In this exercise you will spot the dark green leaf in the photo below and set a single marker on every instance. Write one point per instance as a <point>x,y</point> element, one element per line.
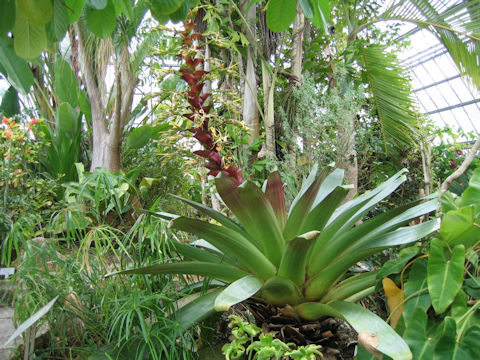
<point>394,266</point>
<point>307,7</point>
<point>416,336</point>
<point>416,290</point>
<point>30,39</point>
<point>66,85</point>
<point>60,21</point>
<point>321,11</point>
<point>74,9</point>
<point>10,105</point>
<point>101,22</point>
<point>7,16</point>
<point>459,227</point>
<point>36,12</point>
<point>280,14</point>
<point>138,137</point>
<point>164,7</point>
<point>444,277</point>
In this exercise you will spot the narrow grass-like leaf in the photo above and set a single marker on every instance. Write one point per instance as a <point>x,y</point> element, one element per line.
<point>218,271</point>
<point>294,258</point>
<point>363,321</point>
<point>229,242</point>
<point>236,292</point>
<point>331,182</point>
<point>444,277</point>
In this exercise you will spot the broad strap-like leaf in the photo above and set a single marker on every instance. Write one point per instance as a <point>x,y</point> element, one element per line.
<point>331,182</point>
<point>294,258</point>
<point>249,204</point>
<point>351,286</point>
<point>196,310</point>
<point>218,271</point>
<point>363,321</point>
<point>30,321</point>
<point>238,291</point>
<point>229,242</point>
<point>445,278</point>
<point>218,216</point>
<point>322,280</point>
<point>276,195</point>
<point>195,253</point>
<point>320,214</point>
<point>302,204</point>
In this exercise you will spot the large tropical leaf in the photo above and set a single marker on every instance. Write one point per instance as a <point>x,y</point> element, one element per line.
<point>236,292</point>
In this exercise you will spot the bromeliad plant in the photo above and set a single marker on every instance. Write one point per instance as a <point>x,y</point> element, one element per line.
<point>298,260</point>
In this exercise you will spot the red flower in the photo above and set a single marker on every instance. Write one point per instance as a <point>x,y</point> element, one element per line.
<point>27,150</point>
<point>20,138</point>
<point>5,120</point>
<point>7,158</point>
<point>29,128</point>
<point>9,135</point>
<point>18,171</point>
<point>33,121</point>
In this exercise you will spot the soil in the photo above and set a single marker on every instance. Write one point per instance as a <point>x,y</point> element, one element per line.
<point>337,338</point>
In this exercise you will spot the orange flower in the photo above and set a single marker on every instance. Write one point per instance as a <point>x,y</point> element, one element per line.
<point>20,138</point>
<point>27,150</point>
<point>29,128</point>
<point>7,158</point>
<point>5,120</point>
<point>18,171</point>
<point>33,121</point>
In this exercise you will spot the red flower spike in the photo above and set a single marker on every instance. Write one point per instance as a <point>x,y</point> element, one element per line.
<point>215,157</point>
<point>189,26</point>
<point>195,102</point>
<point>198,61</point>
<point>198,87</point>
<point>199,74</point>
<point>196,36</point>
<point>213,172</point>
<point>202,153</point>
<point>191,117</point>
<point>189,79</point>
<point>213,165</point>
<point>203,98</point>
<point>185,70</point>
<point>203,138</point>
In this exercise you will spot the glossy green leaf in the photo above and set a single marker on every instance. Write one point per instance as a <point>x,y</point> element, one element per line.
<point>36,12</point>
<point>30,321</point>
<point>276,196</point>
<point>164,7</point>
<point>66,85</point>
<point>138,137</point>
<point>7,16</point>
<point>444,277</point>
<point>459,227</point>
<point>261,224</point>
<point>307,8</point>
<point>101,22</point>
<point>236,292</point>
<point>280,14</point>
<point>67,124</point>
<point>416,337</point>
<point>416,290</point>
<point>74,9</point>
<point>10,104</point>
<point>182,12</point>
<point>294,258</point>
<point>217,271</point>
<point>195,311</point>
<point>363,321</point>
<point>60,21</point>
<point>229,242</point>
<point>96,4</point>
<point>30,39</point>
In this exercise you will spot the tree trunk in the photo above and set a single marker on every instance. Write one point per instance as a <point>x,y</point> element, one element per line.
<point>268,109</point>
<point>250,108</point>
<point>346,154</point>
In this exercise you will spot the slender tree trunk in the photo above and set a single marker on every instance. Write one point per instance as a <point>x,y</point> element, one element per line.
<point>346,154</point>
<point>269,115</point>
<point>250,108</point>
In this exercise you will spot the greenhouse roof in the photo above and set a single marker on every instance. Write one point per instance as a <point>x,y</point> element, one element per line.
<point>442,93</point>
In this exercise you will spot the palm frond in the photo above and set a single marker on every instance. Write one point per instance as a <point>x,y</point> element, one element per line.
<point>391,91</point>
<point>457,27</point>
